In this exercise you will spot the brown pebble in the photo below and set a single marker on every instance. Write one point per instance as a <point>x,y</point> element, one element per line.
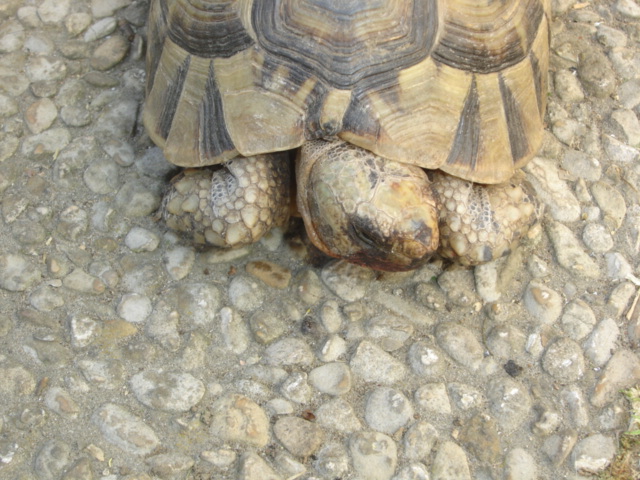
<point>272,274</point>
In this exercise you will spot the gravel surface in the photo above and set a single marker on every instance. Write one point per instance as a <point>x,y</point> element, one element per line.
<point>127,353</point>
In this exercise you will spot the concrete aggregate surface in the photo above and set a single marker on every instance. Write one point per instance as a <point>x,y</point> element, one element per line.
<point>127,353</point>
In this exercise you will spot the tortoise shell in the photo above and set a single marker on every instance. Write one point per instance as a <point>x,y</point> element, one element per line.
<point>456,85</point>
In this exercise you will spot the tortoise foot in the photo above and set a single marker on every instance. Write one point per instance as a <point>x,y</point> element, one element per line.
<point>479,223</point>
<point>232,204</point>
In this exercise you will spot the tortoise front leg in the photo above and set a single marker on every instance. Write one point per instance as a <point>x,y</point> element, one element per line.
<point>232,204</point>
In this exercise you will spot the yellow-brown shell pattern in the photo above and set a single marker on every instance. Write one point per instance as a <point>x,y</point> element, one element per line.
<point>456,85</point>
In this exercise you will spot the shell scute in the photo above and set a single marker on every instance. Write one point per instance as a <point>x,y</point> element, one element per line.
<point>452,85</point>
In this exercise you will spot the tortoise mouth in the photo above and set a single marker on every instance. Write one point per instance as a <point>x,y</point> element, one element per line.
<point>395,254</point>
<point>364,259</point>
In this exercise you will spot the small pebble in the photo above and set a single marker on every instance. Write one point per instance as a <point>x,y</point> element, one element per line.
<point>601,344</point>
<point>622,371</point>
<point>179,262</point>
<point>253,467</point>
<point>51,459</point>
<point>433,399</point>
<point>288,351</point>
<point>142,240</point>
<point>83,330</point>
<point>350,282</point>
<point>331,378</point>
<point>237,418</point>
<point>270,273</point>
<point>111,52</point>
<point>569,253</point>
<point>40,115</point>
<point>419,440</point>
<point>125,430</point>
<point>593,454</point>
<point>578,319</point>
<point>245,294</point>
<point>450,463</point>
<point>520,465</point>
<point>372,364</point>
<point>300,437</point>
<point>387,410</point>
<point>338,415</point>
<point>509,401</point>
<point>374,455</point>
<point>426,359</point>
<point>544,304</point>
<point>563,360</point>
<point>460,344</point>
<point>167,391</point>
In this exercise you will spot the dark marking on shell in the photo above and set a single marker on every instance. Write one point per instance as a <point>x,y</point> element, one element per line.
<point>214,136</point>
<point>347,56</point>
<point>464,150</point>
<point>358,119</point>
<point>213,31</point>
<point>515,124</point>
<point>538,81</point>
<point>465,45</point>
<point>172,93</point>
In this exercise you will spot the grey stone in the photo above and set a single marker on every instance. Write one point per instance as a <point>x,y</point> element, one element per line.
<point>460,344</point>
<point>253,467</point>
<point>387,410</point>
<point>110,52</point>
<point>237,418</point>
<point>125,430</point>
<point>338,415</point>
<point>622,371</point>
<point>602,342</point>
<point>543,303</point>
<point>372,364</point>
<point>450,463</point>
<point>596,74</point>
<point>574,401</point>
<point>563,360</point>
<point>17,273</point>
<point>167,391</point>
<point>83,330</point>
<point>288,351</point>
<point>433,399</point>
<point>102,176</point>
<point>40,115</point>
<point>569,253</point>
<point>235,333</point>
<point>520,465</point>
<point>350,282</point>
<point>426,359</point>
<point>179,261</point>
<point>332,460</point>
<point>374,455</point>
<point>479,435</point>
<point>51,459</point>
<point>509,401</point>
<point>578,319</point>
<point>597,237</point>
<point>246,294</point>
<point>593,454</point>
<point>300,437</point>
<point>169,465</point>
<point>135,200</point>
<point>331,378</point>
<point>553,191</point>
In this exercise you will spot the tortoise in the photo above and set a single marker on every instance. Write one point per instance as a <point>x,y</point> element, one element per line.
<point>410,121</point>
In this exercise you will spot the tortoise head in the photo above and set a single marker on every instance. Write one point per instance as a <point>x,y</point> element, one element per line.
<point>364,208</point>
